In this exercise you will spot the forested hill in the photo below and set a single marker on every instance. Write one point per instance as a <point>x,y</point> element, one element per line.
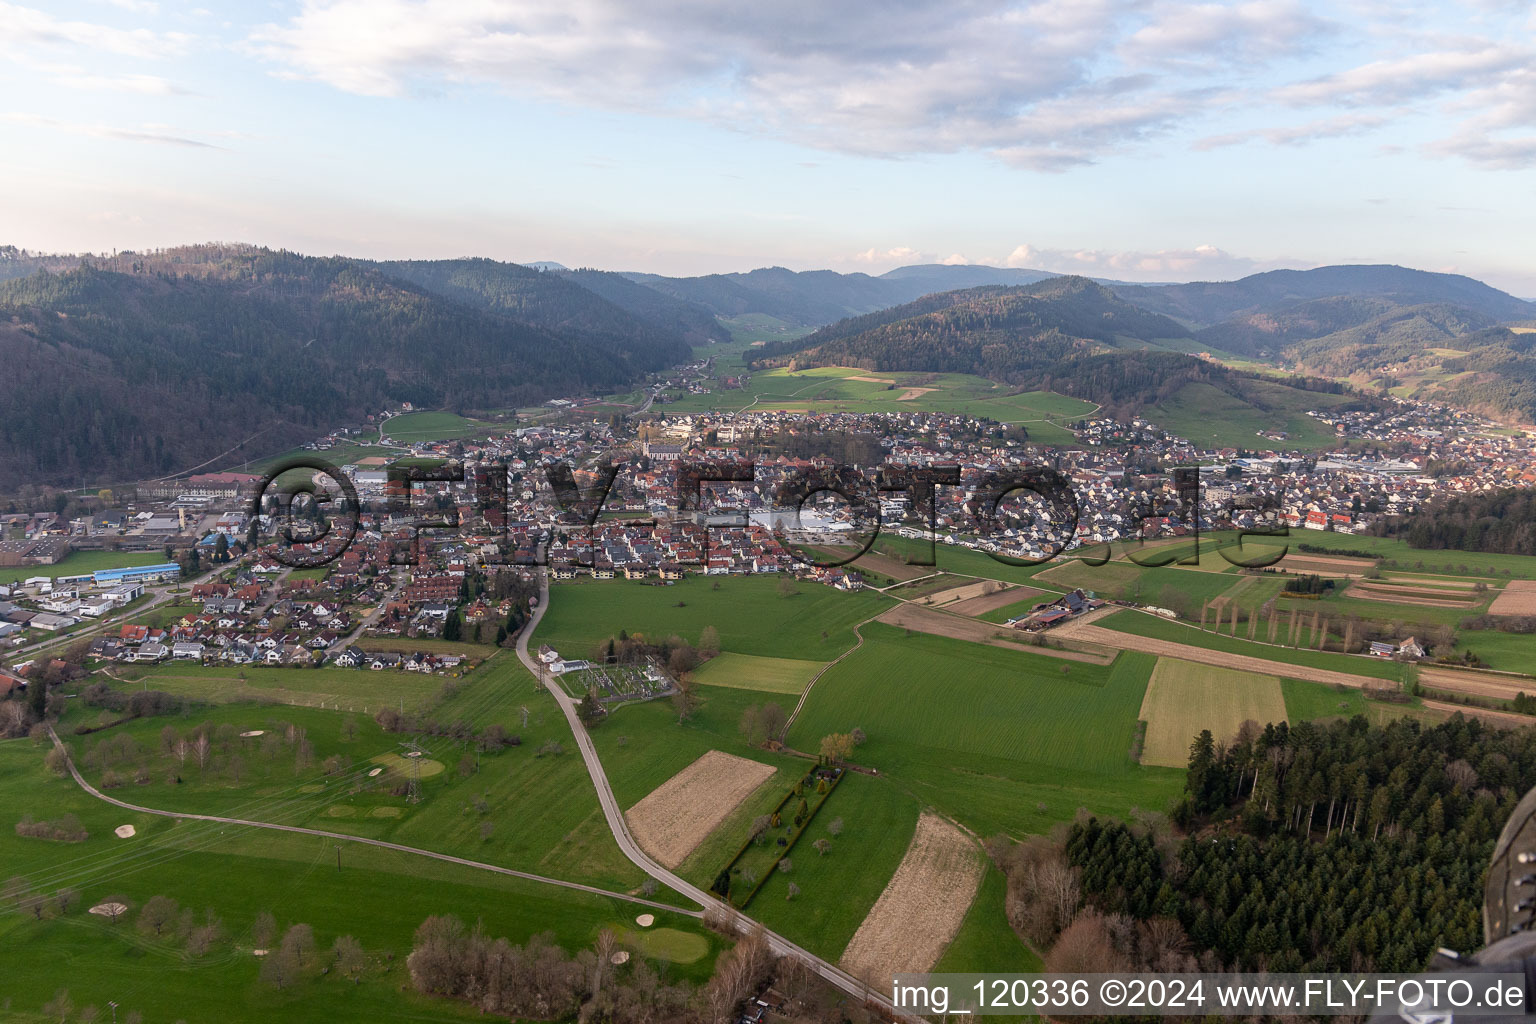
<point>137,366</point>
<point>1498,522</point>
<point>809,298</point>
<point>555,301</point>
<point>995,331</point>
<point>1066,334</point>
<point>695,324</point>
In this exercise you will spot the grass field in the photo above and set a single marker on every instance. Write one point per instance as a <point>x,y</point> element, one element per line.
<point>345,689</point>
<point>749,672</point>
<point>77,563</point>
<point>837,890</point>
<point>1003,741</point>
<point>1308,701</point>
<point>540,807</point>
<point>1209,416</point>
<point>1398,556</point>
<point>1183,698</point>
<point>380,897</point>
<point>412,427</point>
<point>748,612</point>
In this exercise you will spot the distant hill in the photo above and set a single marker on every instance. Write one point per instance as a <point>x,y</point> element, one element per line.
<point>1414,331</point>
<point>693,323</point>
<point>1206,303</point>
<point>814,298</point>
<point>548,299</point>
<point>995,331</point>
<point>1066,334</point>
<point>137,366</point>
<point>808,298</point>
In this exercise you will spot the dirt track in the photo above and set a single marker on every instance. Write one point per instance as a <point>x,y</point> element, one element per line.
<point>922,907</point>
<point>1084,629</point>
<point>958,627</point>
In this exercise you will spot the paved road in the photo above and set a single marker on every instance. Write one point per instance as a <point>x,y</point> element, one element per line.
<point>342,837</point>
<point>351,638</point>
<point>621,834</point>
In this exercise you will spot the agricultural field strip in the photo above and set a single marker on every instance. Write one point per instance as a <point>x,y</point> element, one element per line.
<point>922,906</point>
<point>1084,629</point>
<point>940,622</point>
<point>1518,598</point>
<point>1481,684</point>
<point>1183,698</point>
<point>1503,719</point>
<point>343,837</point>
<point>675,817</point>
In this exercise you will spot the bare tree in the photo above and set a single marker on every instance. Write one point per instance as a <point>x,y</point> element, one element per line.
<point>158,914</point>
<point>264,930</point>
<point>760,824</point>
<point>349,957</point>
<point>298,941</point>
<point>822,846</point>
<point>59,1006</point>
<point>835,829</point>
<point>792,891</point>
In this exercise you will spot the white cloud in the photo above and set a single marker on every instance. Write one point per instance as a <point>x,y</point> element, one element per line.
<point>26,27</point>
<point>1223,34</point>
<point>1035,82</point>
<point>893,257</point>
<point>1295,135</point>
<point>1203,262</point>
<point>1401,79</point>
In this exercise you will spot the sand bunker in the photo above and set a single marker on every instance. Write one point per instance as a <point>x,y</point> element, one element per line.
<point>125,831</point>
<point>645,920</point>
<point>621,957</point>
<point>249,733</point>
<point>375,772</point>
<point>110,909</point>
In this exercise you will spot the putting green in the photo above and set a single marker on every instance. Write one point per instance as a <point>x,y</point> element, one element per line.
<point>402,765</point>
<point>672,944</point>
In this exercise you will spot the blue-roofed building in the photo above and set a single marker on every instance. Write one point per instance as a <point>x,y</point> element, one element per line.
<point>138,574</point>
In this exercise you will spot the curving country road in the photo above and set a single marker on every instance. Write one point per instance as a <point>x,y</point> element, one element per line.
<point>363,840</point>
<point>621,834</point>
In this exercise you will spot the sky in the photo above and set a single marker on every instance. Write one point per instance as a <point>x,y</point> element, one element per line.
<point>1132,139</point>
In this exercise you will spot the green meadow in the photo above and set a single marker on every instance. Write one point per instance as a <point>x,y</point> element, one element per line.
<point>749,613</point>
<point>233,874</point>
